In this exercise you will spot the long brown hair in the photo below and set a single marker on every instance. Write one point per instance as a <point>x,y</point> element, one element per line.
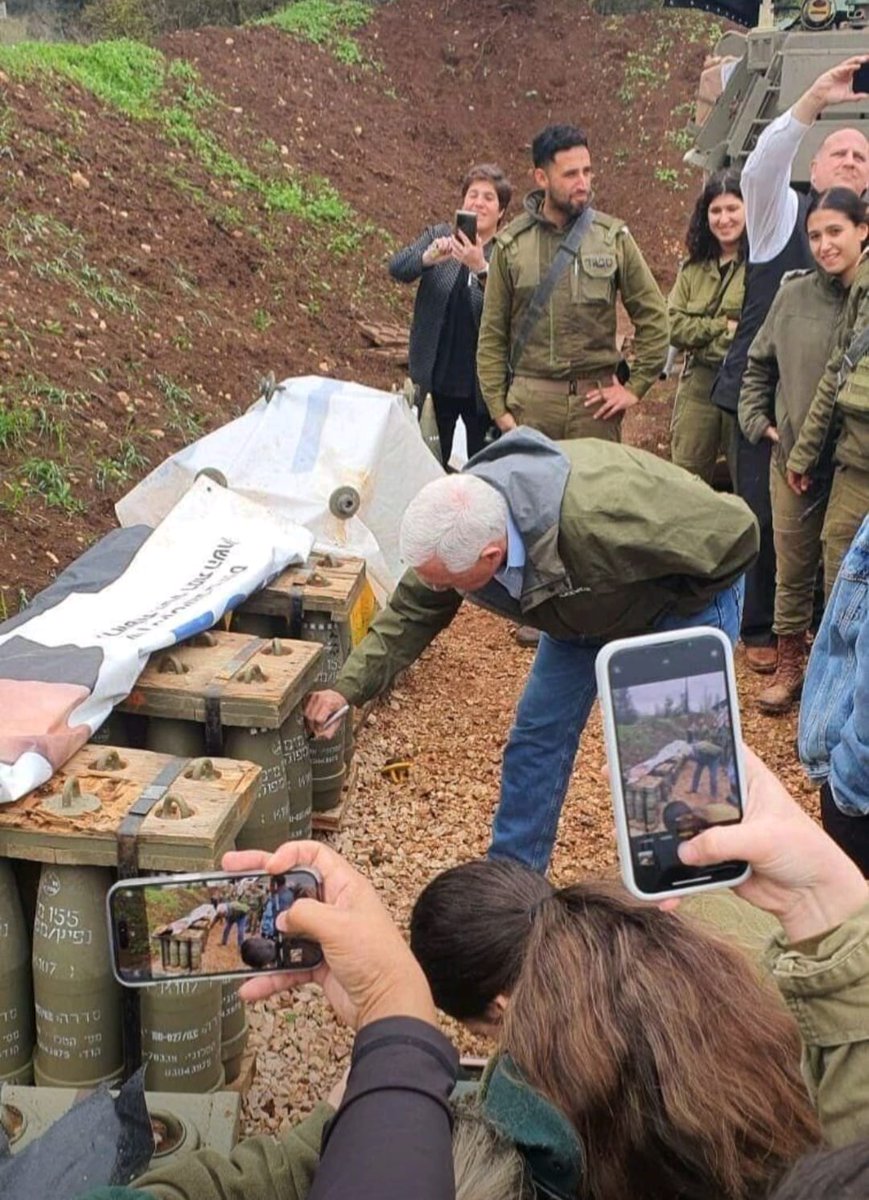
<point>676,1065</point>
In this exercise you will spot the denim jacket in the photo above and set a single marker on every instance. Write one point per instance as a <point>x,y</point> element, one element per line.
<point>834,716</point>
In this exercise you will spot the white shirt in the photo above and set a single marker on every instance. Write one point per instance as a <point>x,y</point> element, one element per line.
<point>771,205</point>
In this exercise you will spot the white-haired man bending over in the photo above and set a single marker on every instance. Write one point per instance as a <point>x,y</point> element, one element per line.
<point>584,540</point>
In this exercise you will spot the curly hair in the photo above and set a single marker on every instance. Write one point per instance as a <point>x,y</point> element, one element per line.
<point>701,242</point>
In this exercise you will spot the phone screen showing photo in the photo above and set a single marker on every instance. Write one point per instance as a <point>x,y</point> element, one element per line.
<point>677,756</point>
<point>169,930</point>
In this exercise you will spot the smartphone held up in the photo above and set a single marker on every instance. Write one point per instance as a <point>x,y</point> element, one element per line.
<point>673,741</point>
<point>466,223</point>
<point>215,925</point>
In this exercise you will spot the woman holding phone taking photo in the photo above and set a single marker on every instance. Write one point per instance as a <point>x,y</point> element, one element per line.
<point>451,269</point>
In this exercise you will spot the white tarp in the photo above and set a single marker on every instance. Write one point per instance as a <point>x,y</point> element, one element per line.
<point>291,454</point>
<point>62,669</point>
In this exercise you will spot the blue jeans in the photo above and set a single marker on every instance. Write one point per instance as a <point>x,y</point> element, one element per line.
<point>240,923</point>
<point>550,718</point>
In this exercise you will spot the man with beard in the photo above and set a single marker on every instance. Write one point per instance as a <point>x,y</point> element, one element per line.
<point>775,220</point>
<point>547,355</point>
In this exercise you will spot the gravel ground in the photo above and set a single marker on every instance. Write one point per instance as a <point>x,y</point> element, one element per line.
<point>450,713</point>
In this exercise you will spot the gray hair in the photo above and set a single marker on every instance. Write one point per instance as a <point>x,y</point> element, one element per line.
<point>452,519</point>
<point>487,1165</point>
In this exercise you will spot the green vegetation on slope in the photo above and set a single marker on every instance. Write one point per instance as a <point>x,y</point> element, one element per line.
<point>324,22</point>
<point>135,79</point>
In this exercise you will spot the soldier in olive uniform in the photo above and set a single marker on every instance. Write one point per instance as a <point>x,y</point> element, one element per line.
<point>841,403</point>
<point>563,382</point>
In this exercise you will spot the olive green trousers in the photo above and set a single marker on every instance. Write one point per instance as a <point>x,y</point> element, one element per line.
<point>559,415</point>
<point>700,431</point>
<point>846,510</point>
<point>797,522</point>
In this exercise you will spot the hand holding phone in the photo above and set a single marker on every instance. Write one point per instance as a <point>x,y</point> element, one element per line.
<point>671,726</point>
<point>860,82</point>
<point>799,874</point>
<point>369,971</point>
<point>211,925</point>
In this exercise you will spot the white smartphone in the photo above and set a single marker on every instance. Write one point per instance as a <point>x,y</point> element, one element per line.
<point>213,925</point>
<point>673,741</point>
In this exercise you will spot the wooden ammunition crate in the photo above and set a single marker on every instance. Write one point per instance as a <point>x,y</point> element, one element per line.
<point>253,686</point>
<point>218,808</point>
<point>324,584</point>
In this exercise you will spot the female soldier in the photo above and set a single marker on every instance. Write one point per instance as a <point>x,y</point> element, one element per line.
<point>785,364</point>
<point>449,301</point>
<point>841,403</point>
<point>704,306</point>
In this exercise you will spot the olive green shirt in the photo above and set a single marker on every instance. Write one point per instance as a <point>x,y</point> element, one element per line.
<point>825,984</point>
<point>848,406</point>
<point>575,336</point>
<point>259,1168</point>
<point>637,538</point>
<point>699,306</point>
<point>788,356</point>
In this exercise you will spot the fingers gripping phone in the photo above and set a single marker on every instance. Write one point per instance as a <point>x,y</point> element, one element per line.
<point>214,925</point>
<point>673,741</point>
<point>466,223</point>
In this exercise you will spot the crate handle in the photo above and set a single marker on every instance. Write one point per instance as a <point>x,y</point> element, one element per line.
<point>201,768</point>
<point>110,760</point>
<point>252,674</point>
<point>172,802</point>
<point>172,664</point>
<point>206,638</point>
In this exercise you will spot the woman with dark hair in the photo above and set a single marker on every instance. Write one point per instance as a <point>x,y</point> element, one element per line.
<point>786,362</point>
<point>840,408</point>
<point>704,308</point>
<point>631,1022</point>
<point>452,270</point>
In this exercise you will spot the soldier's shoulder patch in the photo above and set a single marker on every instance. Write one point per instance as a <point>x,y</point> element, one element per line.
<point>614,226</point>
<point>517,226</point>
<point>799,273</point>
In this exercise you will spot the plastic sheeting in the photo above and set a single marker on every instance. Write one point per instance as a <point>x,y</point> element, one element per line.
<point>292,453</point>
<point>79,649</point>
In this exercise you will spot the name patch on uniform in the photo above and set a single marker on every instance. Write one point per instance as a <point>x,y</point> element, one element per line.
<point>599,266</point>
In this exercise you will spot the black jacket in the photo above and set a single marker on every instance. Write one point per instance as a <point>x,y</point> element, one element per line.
<point>432,296</point>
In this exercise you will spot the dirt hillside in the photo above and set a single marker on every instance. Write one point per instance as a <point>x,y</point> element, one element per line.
<point>178,223</point>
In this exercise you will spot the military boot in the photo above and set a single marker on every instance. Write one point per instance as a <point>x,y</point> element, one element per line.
<point>787,682</point>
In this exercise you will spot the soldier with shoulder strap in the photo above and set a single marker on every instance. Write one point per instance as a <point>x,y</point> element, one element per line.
<point>547,354</point>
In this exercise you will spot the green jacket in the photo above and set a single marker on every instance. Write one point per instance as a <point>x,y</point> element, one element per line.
<point>825,984</point>
<point>614,538</point>
<point>846,407</point>
<point>699,306</point>
<point>259,1168</point>
<point>576,335</point>
<point>787,358</point>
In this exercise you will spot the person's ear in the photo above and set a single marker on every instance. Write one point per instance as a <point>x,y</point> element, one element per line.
<point>492,555</point>
<point>540,177</point>
<point>496,1009</point>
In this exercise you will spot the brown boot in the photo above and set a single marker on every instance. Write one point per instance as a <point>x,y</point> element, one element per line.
<point>762,659</point>
<point>787,683</point>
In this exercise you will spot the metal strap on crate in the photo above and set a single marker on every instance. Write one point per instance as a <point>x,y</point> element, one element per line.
<point>128,831</point>
<point>297,610</point>
<point>214,691</point>
<point>128,868</point>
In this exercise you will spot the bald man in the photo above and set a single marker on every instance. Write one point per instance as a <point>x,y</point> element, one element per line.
<point>775,222</point>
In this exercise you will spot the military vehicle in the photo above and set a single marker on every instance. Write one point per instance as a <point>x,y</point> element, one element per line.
<point>762,73</point>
